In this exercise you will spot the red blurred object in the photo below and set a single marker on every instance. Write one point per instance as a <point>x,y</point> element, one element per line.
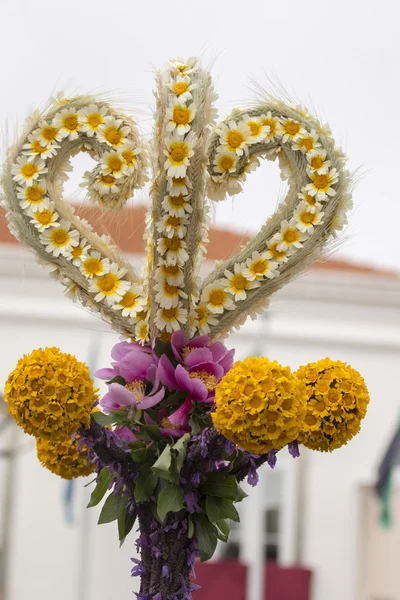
<point>227,580</point>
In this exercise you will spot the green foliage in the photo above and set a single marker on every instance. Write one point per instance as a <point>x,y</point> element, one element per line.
<point>99,491</point>
<point>161,348</point>
<point>206,535</point>
<point>111,508</point>
<point>170,499</point>
<point>222,487</point>
<point>223,530</point>
<point>145,484</point>
<point>220,508</point>
<point>117,417</point>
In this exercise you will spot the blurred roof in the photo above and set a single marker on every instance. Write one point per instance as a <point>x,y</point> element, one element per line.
<point>127,230</point>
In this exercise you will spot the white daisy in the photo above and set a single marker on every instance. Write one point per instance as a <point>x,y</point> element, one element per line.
<point>237,284</point>
<point>171,319</point>
<point>94,265</point>
<point>274,124</point>
<point>36,147</point>
<point>291,130</point>
<point>44,218</point>
<point>171,225</point>
<point>113,163</point>
<point>178,153</point>
<point>71,289</point>
<point>173,274</point>
<point>225,161</point>
<point>321,185</point>
<point>177,206</point>
<point>168,296</point>
<point>60,240</point>
<point>110,286</point>
<point>258,130</point>
<point>306,220</point>
<point>112,132</point>
<point>182,88</point>
<point>280,256</point>
<point>216,298</point>
<point>34,196</point>
<point>179,117</point>
<point>178,186</point>
<point>311,201</point>
<point>47,133</point>
<point>173,249</point>
<point>340,217</point>
<point>131,302</point>
<point>142,332</point>
<point>317,162</point>
<point>91,117</point>
<point>129,153</point>
<point>204,319</point>
<point>179,67</point>
<point>27,171</point>
<point>260,266</point>
<point>67,123</point>
<point>307,142</point>
<point>235,136</point>
<point>289,237</point>
<point>79,253</point>
<point>106,184</point>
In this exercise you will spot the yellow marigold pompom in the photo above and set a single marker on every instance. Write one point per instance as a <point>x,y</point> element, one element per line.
<point>65,458</point>
<point>50,394</point>
<point>337,401</point>
<point>260,405</point>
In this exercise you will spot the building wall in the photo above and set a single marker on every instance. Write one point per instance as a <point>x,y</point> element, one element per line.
<point>356,319</point>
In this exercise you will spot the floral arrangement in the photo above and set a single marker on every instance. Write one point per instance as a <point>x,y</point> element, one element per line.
<point>181,424</point>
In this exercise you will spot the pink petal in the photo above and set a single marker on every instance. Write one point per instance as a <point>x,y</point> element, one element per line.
<point>121,395</point>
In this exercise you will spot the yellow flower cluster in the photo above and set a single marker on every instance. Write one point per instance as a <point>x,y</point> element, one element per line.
<point>64,458</point>
<point>337,402</point>
<point>50,394</point>
<point>260,405</point>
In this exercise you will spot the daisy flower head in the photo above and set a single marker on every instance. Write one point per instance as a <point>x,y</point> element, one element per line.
<point>182,88</point>
<point>91,118</point>
<point>78,253</point>
<point>180,116</point>
<point>112,132</point>
<point>131,302</point>
<point>280,256</point>
<point>26,171</point>
<point>129,153</point>
<point>33,197</point>
<point>142,332</point>
<point>311,201</point>
<point>292,130</point>
<point>307,142</point>
<point>110,286</point>
<point>216,298</point>
<point>61,239</point>
<point>177,206</point>
<point>44,217</point>
<point>171,273</point>
<point>237,284</point>
<point>178,153</point>
<point>47,133</point>
<point>67,122</point>
<point>173,249</point>
<point>179,67</point>
<point>113,163</point>
<point>317,162</point>
<point>260,266</point>
<point>235,137</point>
<point>306,220</point>
<point>171,319</point>
<point>178,186</point>
<point>36,147</point>
<point>106,184</point>
<point>289,237</point>
<point>258,130</point>
<point>321,186</point>
<point>225,161</point>
<point>274,124</point>
<point>205,319</point>
<point>94,265</point>
<point>171,226</point>
<point>168,296</point>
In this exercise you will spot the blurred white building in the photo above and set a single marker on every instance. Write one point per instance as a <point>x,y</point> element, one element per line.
<point>317,511</point>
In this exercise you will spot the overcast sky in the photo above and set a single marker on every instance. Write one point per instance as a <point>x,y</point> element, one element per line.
<point>342,57</point>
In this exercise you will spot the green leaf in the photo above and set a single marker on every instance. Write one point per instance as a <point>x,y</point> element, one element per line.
<point>220,508</point>
<point>206,536</point>
<point>241,494</point>
<point>152,431</point>
<point>141,453</point>
<point>145,484</point>
<point>170,499</point>
<point>117,379</point>
<point>110,509</point>
<point>223,530</point>
<point>90,482</point>
<point>103,482</point>
<point>126,521</point>
<point>162,466</point>
<point>114,417</point>
<point>180,449</point>
<point>174,400</point>
<point>161,348</point>
<point>190,529</point>
<point>222,487</point>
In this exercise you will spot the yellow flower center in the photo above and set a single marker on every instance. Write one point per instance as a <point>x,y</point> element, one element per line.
<point>210,381</point>
<point>71,122</point>
<point>60,237</point>
<point>34,194</point>
<point>129,300</point>
<point>321,182</point>
<point>113,136</point>
<point>235,139</point>
<point>173,243</point>
<point>37,147</point>
<point>178,181</point>
<point>171,290</point>
<point>308,218</point>
<point>311,200</point>
<point>259,267</point>
<point>255,128</point>
<point>317,162</point>
<point>171,269</point>
<point>307,143</point>
<point>49,133</point>
<point>290,236</point>
<point>320,406</point>
<point>180,88</point>
<point>271,123</point>
<point>310,419</point>
<point>170,313</point>
<point>179,153</point>
<point>44,217</point>
<point>77,251</point>
<point>93,266</point>
<point>275,252</point>
<point>128,156</point>
<point>217,297</point>
<point>226,163</point>
<point>292,128</point>
<point>174,221</point>
<point>115,163</point>
<point>137,388</point>
<point>94,120</point>
<point>29,170</point>
<point>202,314</point>
<point>108,283</point>
<point>108,179</point>
<point>181,116</point>
<point>239,282</point>
<point>178,201</point>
